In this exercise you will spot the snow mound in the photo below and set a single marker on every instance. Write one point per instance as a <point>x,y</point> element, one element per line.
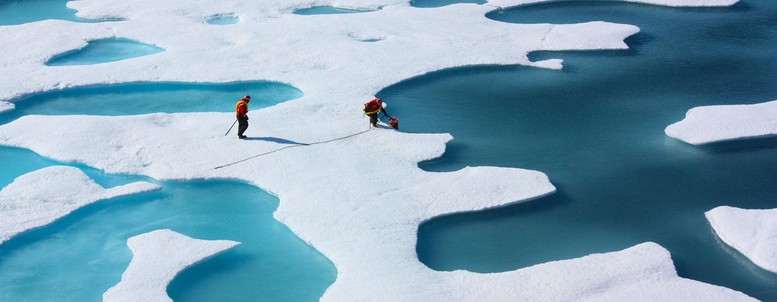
<point>43,196</point>
<point>158,256</point>
<point>6,106</point>
<point>751,232</point>
<point>709,124</point>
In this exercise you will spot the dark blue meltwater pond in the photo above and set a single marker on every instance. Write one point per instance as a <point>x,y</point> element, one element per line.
<point>596,128</point>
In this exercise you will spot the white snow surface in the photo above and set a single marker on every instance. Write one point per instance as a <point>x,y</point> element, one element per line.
<point>158,256</point>
<point>359,200</point>
<point>751,232</point>
<point>6,106</point>
<point>40,197</point>
<point>708,124</point>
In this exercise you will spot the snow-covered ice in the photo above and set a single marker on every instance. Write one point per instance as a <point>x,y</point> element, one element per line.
<point>700,3</point>
<point>158,256</point>
<point>358,200</point>
<point>40,197</point>
<point>6,106</point>
<point>708,124</point>
<point>751,232</point>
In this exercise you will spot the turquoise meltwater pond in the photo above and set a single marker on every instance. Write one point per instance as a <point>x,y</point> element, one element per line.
<point>14,12</point>
<point>85,253</point>
<point>103,51</point>
<point>142,98</point>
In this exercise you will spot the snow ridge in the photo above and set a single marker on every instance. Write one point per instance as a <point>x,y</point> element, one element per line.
<point>751,232</point>
<point>709,124</point>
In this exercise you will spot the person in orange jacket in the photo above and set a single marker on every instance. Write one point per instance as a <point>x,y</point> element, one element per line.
<point>372,108</point>
<point>241,111</point>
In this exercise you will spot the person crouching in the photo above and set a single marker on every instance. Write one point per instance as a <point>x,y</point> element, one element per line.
<point>372,108</point>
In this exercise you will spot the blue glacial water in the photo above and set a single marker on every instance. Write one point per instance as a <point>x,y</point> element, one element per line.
<point>104,51</point>
<point>80,256</point>
<point>141,98</point>
<point>596,129</point>
<point>14,12</point>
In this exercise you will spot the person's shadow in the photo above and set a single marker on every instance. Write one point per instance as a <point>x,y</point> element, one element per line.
<point>274,140</point>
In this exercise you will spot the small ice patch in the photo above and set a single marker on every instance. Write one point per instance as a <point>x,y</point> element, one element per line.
<point>43,196</point>
<point>708,124</point>
<point>6,106</point>
<point>158,257</point>
<point>751,232</point>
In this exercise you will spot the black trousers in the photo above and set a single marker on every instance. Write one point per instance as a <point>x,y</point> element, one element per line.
<point>373,119</point>
<point>242,124</point>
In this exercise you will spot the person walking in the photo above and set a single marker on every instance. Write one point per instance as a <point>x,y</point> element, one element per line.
<point>372,108</point>
<point>241,111</point>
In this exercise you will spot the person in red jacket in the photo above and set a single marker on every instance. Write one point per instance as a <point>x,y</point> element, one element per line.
<point>372,108</point>
<point>241,110</point>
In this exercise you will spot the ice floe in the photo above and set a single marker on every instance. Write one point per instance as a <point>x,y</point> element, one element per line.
<point>158,257</point>
<point>43,196</point>
<point>751,232</point>
<point>6,106</point>
<point>708,124</point>
<point>358,200</point>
